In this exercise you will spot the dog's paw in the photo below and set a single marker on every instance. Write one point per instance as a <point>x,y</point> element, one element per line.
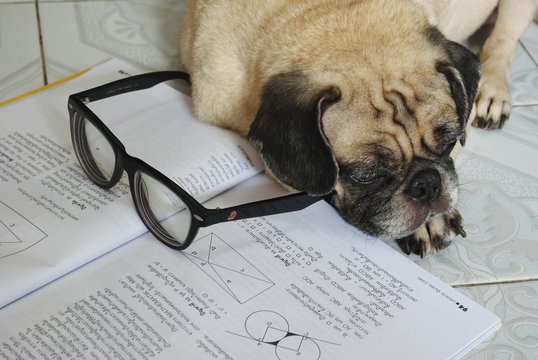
<point>493,101</point>
<point>435,235</point>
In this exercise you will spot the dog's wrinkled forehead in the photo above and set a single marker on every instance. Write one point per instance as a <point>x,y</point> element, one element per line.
<point>418,109</point>
<point>395,119</point>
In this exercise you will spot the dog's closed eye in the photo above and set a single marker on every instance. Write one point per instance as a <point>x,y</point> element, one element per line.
<point>367,178</point>
<point>448,149</point>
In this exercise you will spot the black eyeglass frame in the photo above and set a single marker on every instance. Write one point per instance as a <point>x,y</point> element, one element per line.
<point>200,215</point>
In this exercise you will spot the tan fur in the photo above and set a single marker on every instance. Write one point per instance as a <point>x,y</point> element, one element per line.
<point>270,43</point>
<point>376,64</point>
<point>267,44</point>
<point>497,54</point>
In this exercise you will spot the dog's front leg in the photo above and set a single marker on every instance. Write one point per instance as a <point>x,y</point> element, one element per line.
<point>493,100</point>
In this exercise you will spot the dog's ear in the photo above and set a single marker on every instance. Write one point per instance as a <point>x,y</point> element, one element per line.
<point>288,133</point>
<point>463,76</point>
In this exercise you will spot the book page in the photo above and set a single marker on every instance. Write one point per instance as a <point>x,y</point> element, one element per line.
<point>52,218</point>
<point>302,285</point>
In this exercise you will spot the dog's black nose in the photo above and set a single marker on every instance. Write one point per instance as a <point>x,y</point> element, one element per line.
<point>425,186</point>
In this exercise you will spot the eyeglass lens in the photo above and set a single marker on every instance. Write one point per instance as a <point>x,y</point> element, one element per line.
<point>161,210</point>
<point>96,154</point>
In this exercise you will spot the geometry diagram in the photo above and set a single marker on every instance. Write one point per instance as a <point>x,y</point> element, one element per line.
<point>16,232</point>
<point>228,268</point>
<point>270,328</point>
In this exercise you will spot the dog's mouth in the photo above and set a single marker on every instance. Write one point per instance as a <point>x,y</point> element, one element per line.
<point>410,216</point>
<point>397,213</point>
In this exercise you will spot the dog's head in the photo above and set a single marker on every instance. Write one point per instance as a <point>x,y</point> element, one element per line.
<point>376,126</point>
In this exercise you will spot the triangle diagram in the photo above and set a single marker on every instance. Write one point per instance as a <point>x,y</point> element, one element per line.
<point>243,287</point>
<point>224,256</point>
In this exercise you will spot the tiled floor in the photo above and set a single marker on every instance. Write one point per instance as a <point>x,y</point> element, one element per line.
<point>497,264</point>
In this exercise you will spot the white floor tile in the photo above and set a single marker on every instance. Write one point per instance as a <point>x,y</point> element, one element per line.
<point>523,84</point>
<point>524,74</point>
<point>517,307</point>
<point>65,54</point>
<point>21,69</point>
<point>15,1</point>
<point>82,34</point>
<point>530,40</point>
<point>523,123</point>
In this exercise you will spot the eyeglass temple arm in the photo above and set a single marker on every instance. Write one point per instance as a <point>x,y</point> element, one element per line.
<point>284,204</point>
<point>133,83</point>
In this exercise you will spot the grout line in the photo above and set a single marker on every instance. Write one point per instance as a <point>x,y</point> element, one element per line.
<point>487,283</point>
<point>524,105</point>
<point>57,82</point>
<point>528,52</point>
<point>60,1</point>
<point>41,47</point>
<point>56,1</point>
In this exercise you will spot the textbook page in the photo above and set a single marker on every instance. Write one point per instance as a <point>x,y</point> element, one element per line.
<point>301,285</point>
<point>52,218</point>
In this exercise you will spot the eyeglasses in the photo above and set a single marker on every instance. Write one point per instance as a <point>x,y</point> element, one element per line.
<point>157,199</point>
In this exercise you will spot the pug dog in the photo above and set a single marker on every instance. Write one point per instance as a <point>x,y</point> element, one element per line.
<point>366,99</point>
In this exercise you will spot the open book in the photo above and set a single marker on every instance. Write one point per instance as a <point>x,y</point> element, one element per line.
<point>81,278</point>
